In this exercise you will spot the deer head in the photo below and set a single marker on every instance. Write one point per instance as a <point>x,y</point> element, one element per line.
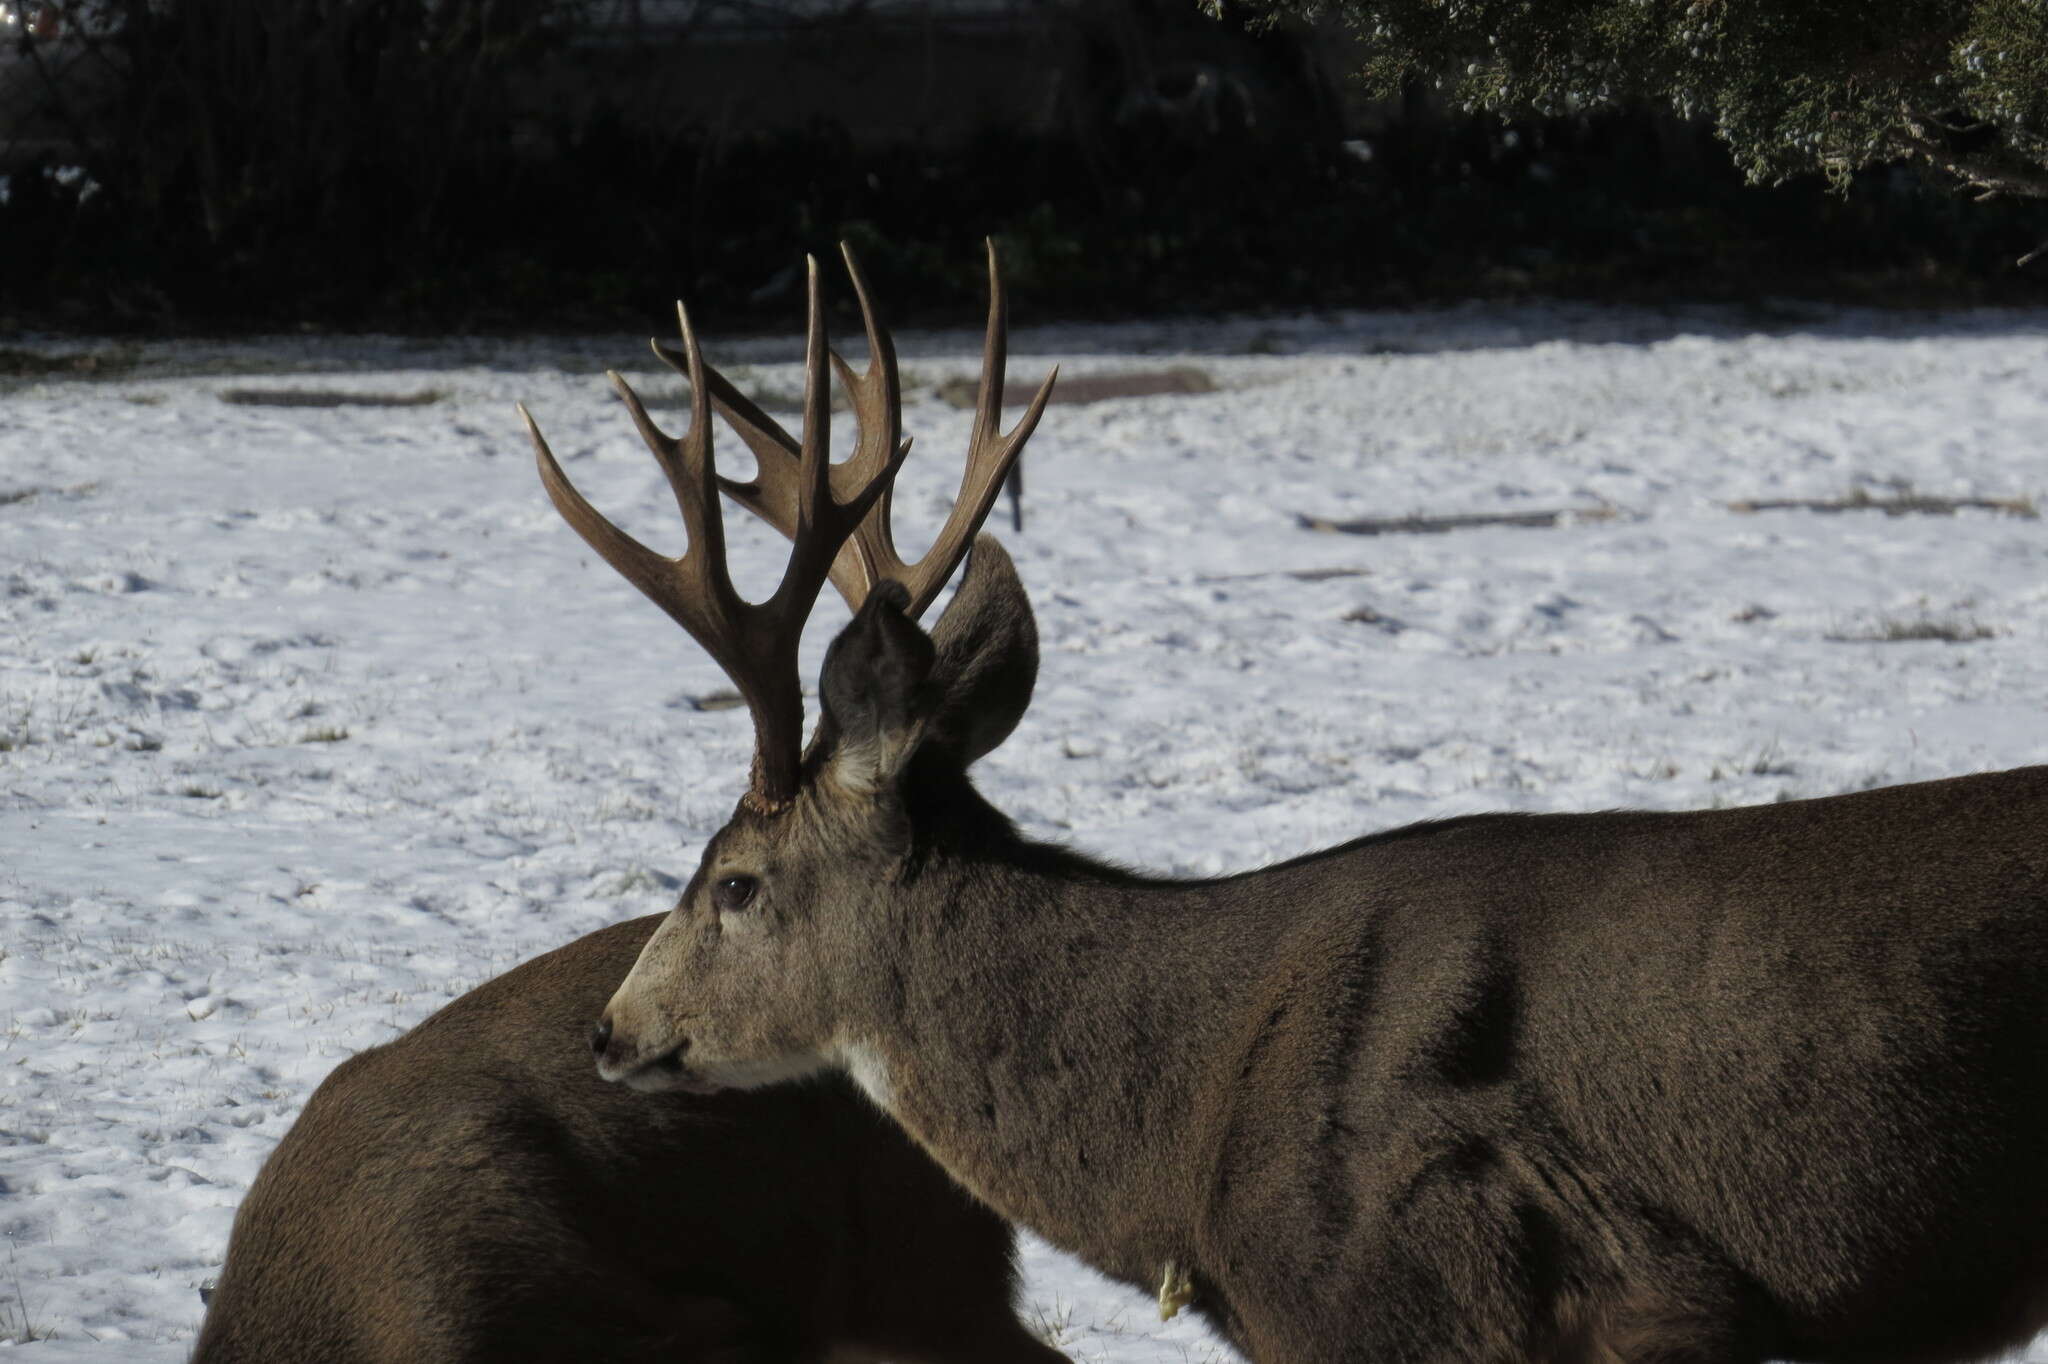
<point>741,985</point>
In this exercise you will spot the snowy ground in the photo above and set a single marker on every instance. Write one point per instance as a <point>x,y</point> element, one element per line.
<point>312,718</point>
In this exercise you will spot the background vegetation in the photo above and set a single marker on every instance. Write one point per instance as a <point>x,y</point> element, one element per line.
<point>478,163</point>
<point>1792,86</point>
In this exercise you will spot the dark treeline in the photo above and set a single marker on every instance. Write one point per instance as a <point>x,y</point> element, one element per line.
<point>192,164</point>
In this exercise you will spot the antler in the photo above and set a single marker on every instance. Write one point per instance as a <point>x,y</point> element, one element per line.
<point>756,643</point>
<point>878,403</point>
<point>836,516</point>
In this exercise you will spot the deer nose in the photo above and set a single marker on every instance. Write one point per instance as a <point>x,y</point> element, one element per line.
<point>601,1035</point>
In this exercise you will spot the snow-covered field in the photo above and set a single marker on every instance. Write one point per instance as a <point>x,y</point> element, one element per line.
<point>313,718</point>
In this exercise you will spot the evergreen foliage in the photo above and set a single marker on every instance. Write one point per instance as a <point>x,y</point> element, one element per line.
<point>1794,86</point>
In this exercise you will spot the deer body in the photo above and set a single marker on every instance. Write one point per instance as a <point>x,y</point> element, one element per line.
<point>1710,1087</point>
<point>472,1191</point>
<point>1511,1086</point>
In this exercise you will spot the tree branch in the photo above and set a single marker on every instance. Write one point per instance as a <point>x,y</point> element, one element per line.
<point>1916,137</point>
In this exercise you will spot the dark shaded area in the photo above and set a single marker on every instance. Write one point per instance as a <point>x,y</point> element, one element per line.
<point>483,164</point>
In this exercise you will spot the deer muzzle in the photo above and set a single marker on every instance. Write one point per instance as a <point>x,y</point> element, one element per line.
<point>649,1060</point>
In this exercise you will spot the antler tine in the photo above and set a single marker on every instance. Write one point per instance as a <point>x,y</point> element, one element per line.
<point>756,643</point>
<point>877,398</point>
<point>773,493</point>
<point>990,454</point>
<point>824,520</point>
<point>871,554</point>
<point>691,589</point>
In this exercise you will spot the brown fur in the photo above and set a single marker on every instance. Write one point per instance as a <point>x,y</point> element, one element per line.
<point>472,1191</point>
<point>1715,1086</point>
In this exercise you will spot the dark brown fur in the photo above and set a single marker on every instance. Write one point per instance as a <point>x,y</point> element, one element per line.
<point>472,1191</point>
<point>1716,1086</point>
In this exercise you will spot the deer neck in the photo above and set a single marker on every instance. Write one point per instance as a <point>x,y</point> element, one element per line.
<point>1047,1030</point>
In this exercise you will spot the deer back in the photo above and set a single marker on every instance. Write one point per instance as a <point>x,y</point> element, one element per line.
<point>473,1191</point>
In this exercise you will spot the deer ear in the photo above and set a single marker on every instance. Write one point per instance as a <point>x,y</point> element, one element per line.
<point>889,691</point>
<point>875,691</point>
<point>987,661</point>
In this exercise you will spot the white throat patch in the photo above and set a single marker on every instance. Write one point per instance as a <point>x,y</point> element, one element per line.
<point>869,1070</point>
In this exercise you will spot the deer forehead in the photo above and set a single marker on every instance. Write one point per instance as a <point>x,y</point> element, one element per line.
<point>818,833</point>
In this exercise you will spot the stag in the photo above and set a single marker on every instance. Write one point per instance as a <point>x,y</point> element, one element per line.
<point>474,1191</point>
<point>1705,1086</point>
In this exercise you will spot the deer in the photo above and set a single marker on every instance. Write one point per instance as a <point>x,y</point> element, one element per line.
<point>473,1190</point>
<point>1704,1086</point>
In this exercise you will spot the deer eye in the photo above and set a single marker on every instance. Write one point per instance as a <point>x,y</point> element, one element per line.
<point>733,893</point>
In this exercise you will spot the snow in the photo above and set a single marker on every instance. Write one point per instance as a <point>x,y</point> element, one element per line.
<point>313,718</point>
